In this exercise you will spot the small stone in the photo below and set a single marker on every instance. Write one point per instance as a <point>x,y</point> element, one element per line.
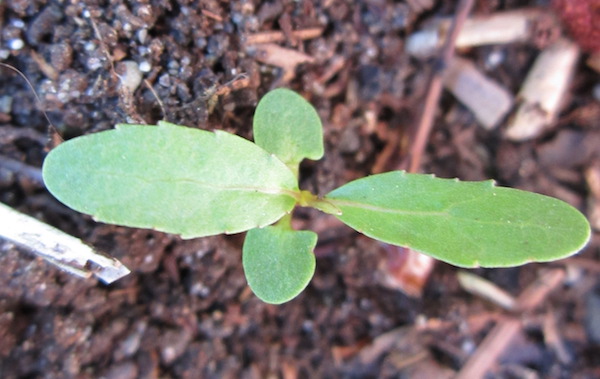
<point>142,34</point>
<point>16,44</point>
<point>173,344</point>
<point>130,75</point>
<point>165,80</point>
<point>145,66</point>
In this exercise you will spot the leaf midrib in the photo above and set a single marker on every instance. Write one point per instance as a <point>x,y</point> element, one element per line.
<point>265,190</point>
<point>445,213</point>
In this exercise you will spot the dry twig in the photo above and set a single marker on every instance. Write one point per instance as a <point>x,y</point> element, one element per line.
<point>435,86</point>
<point>500,337</point>
<point>277,36</point>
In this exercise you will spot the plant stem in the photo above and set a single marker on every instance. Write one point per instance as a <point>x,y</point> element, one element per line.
<point>285,222</point>
<point>308,199</point>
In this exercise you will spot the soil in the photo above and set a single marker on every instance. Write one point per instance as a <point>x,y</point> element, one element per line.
<point>186,311</point>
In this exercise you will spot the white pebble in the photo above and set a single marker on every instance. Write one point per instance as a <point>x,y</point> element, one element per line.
<point>142,34</point>
<point>165,80</point>
<point>422,44</point>
<point>16,44</point>
<point>130,75</point>
<point>17,23</point>
<point>145,66</point>
<point>94,63</point>
<point>494,59</point>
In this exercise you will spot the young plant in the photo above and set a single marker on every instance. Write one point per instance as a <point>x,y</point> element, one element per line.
<point>197,183</point>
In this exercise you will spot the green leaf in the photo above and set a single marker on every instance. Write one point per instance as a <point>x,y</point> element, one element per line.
<point>288,126</point>
<point>278,262</point>
<point>463,223</point>
<point>171,178</point>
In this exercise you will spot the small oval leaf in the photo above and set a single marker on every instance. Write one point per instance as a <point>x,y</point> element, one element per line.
<point>463,223</point>
<point>278,262</point>
<point>171,178</point>
<point>286,125</point>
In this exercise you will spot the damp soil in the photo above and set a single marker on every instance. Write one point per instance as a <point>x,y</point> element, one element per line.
<point>186,310</point>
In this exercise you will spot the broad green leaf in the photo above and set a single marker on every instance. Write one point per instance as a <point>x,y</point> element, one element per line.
<point>171,178</point>
<point>463,223</point>
<point>288,126</point>
<point>278,262</point>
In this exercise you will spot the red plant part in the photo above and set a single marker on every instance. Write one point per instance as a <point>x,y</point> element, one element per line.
<point>582,19</point>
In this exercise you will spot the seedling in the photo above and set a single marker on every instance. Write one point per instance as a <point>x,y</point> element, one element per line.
<point>197,183</point>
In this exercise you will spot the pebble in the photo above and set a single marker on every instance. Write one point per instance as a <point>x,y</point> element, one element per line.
<point>165,80</point>
<point>17,23</point>
<point>6,103</point>
<point>494,59</point>
<point>16,44</point>
<point>130,75</point>
<point>145,66</point>
<point>142,34</point>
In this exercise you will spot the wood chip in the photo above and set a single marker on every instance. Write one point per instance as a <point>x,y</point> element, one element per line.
<point>486,289</point>
<point>553,339</point>
<point>498,28</point>
<point>544,89</point>
<point>502,334</point>
<point>277,36</point>
<point>489,101</point>
<point>406,270</point>
<point>286,59</point>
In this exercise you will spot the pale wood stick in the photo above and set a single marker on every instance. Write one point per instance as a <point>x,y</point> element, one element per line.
<point>62,250</point>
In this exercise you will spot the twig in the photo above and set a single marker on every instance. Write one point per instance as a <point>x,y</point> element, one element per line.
<point>487,290</point>
<point>10,133</point>
<point>435,86</point>
<point>277,36</point>
<point>587,264</point>
<point>158,100</point>
<point>125,95</point>
<point>212,15</point>
<point>60,249</point>
<point>20,168</point>
<point>502,334</point>
<point>286,59</point>
<point>103,45</point>
<point>524,25</point>
<point>37,98</point>
<point>44,66</point>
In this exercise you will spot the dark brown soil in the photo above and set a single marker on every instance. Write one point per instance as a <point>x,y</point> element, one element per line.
<point>186,311</point>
